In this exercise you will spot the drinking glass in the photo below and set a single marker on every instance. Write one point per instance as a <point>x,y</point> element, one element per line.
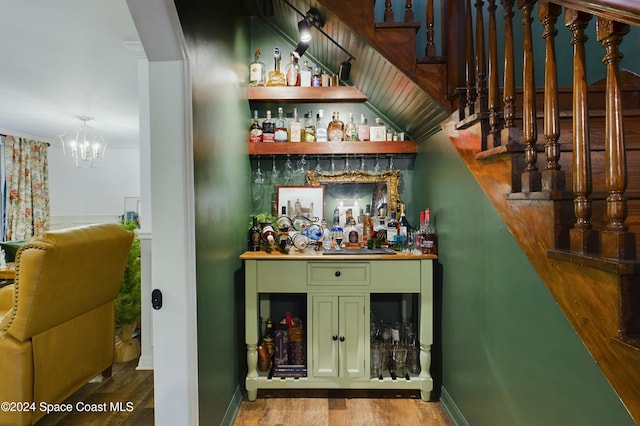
<point>274,171</point>
<point>400,360</point>
<point>288,170</point>
<point>377,351</point>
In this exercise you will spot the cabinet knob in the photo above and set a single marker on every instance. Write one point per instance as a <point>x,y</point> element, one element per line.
<point>335,338</point>
<point>338,273</point>
<point>342,338</point>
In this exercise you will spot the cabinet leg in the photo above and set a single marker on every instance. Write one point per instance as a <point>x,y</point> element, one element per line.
<point>426,382</point>
<point>251,382</point>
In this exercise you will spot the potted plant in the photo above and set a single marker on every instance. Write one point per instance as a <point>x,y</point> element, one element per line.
<point>128,303</point>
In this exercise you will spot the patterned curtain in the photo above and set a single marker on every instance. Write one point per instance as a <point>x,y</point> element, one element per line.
<point>27,188</point>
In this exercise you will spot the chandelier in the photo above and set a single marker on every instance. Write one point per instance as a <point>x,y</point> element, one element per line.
<point>85,146</point>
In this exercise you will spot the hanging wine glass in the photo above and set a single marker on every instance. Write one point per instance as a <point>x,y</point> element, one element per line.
<point>363,168</point>
<point>318,168</point>
<point>274,171</point>
<point>347,167</point>
<point>376,167</point>
<point>301,167</point>
<point>288,170</point>
<point>258,177</point>
<point>391,163</point>
<point>333,165</point>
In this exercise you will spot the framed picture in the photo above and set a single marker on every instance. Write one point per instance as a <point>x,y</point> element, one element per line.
<point>307,201</point>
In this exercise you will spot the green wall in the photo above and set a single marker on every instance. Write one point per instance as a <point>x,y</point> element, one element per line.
<point>216,37</point>
<point>508,354</point>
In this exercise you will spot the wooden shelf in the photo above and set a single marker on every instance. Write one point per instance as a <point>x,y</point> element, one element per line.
<point>327,148</point>
<point>306,94</point>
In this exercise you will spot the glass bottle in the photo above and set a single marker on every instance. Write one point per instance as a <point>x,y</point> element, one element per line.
<point>378,132</point>
<point>295,127</point>
<point>267,338</point>
<point>309,127</point>
<point>268,129</point>
<point>336,230</point>
<point>256,71</point>
<point>363,128</point>
<point>321,128</point>
<point>351,231</point>
<point>276,77</point>
<point>335,130</point>
<point>393,230</point>
<point>367,228</point>
<point>293,71</point>
<point>326,236</point>
<point>350,129</point>
<point>254,236</point>
<point>255,131</point>
<point>429,240</point>
<point>405,227</point>
<point>316,78</point>
<point>268,234</point>
<point>281,128</point>
<point>305,75</point>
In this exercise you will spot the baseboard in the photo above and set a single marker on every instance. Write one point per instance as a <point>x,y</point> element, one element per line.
<point>234,406</point>
<point>69,221</point>
<point>452,409</point>
<point>145,362</point>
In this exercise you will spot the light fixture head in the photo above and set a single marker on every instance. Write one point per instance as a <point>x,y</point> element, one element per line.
<point>311,19</point>
<point>300,49</point>
<point>345,70</point>
<point>85,145</point>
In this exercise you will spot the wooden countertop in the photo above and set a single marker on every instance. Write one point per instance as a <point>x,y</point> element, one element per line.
<point>317,255</point>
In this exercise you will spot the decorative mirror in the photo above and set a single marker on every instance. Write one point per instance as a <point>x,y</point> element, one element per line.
<point>380,190</point>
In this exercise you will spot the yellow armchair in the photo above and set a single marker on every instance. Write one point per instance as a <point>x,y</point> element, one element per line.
<point>57,319</point>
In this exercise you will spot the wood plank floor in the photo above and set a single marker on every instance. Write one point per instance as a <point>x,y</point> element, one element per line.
<point>125,385</point>
<point>341,408</point>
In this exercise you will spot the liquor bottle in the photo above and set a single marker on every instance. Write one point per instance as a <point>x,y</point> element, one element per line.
<point>309,127</point>
<point>268,234</point>
<point>351,231</point>
<point>276,77</point>
<point>350,129</point>
<point>254,236</point>
<point>363,128</point>
<point>335,130</point>
<point>281,128</point>
<point>305,75</point>
<point>420,232</point>
<point>316,79</point>
<point>336,230</point>
<point>429,240</point>
<point>393,230</point>
<point>405,227</point>
<point>292,71</point>
<point>295,127</point>
<point>326,236</point>
<point>368,225</point>
<point>255,131</point>
<point>256,71</point>
<point>378,132</point>
<point>268,129</point>
<point>267,338</point>
<point>321,128</point>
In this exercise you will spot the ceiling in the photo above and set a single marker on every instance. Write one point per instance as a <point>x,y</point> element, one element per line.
<point>65,58</point>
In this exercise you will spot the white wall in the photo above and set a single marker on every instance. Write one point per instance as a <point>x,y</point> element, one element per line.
<point>80,196</point>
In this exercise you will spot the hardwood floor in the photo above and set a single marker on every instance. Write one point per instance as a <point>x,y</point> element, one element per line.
<point>341,408</point>
<point>126,385</point>
<point>272,408</point>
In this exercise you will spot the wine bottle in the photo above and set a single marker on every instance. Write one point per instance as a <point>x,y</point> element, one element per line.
<point>254,236</point>
<point>255,131</point>
<point>393,230</point>
<point>267,338</point>
<point>429,240</point>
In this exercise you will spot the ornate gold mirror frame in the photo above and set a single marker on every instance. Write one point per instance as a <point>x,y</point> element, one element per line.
<point>391,178</point>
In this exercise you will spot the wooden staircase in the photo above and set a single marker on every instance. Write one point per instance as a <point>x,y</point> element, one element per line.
<point>560,165</point>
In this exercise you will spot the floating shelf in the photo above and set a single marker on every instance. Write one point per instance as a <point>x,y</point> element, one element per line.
<point>306,94</point>
<point>327,148</point>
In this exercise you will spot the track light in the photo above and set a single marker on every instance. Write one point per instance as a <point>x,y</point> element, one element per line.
<point>311,19</point>
<point>300,49</point>
<point>345,70</point>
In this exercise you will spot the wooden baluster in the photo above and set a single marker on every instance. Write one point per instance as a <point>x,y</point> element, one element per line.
<point>430,50</point>
<point>509,134</point>
<point>494,87</point>
<point>469,59</point>
<point>408,11</point>
<point>583,239</point>
<point>531,176</point>
<point>388,11</point>
<point>552,176</point>
<point>481,62</point>
<point>616,242</point>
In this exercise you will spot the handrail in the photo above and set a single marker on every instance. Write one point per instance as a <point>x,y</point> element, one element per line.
<point>627,11</point>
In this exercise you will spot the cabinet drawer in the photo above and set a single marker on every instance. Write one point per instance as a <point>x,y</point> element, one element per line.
<point>338,273</point>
